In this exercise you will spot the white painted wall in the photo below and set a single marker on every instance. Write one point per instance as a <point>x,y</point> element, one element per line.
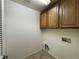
<point>0,25</point>
<point>59,49</point>
<point>3,25</point>
<point>23,35</point>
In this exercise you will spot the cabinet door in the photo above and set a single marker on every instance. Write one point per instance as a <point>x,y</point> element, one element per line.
<point>77,13</point>
<point>43,22</point>
<point>53,17</point>
<point>68,16</point>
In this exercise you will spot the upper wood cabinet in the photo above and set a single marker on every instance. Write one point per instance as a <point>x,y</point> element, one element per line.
<point>65,15</point>
<point>43,22</point>
<point>49,18</point>
<point>77,2</point>
<point>68,13</point>
<point>53,17</point>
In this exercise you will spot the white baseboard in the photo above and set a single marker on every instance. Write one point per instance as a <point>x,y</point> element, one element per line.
<point>49,52</point>
<point>53,55</point>
<point>31,53</point>
<point>38,51</point>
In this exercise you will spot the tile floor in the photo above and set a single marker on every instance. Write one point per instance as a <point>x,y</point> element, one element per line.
<point>40,55</point>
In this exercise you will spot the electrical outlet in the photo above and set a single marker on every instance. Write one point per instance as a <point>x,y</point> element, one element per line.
<point>5,57</point>
<point>46,47</point>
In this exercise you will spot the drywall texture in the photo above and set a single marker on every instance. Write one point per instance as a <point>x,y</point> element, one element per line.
<point>0,8</point>
<point>23,35</point>
<point>60,49</point>
<point>0,27</point>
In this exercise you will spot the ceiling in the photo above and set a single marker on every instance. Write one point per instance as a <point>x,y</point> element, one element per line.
<point>34,4</point>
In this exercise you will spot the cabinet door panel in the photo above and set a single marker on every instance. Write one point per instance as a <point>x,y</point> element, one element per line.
<point>53,17</point>
<point>43,21</point>
<point>77,13</point>
<point>68,13</point>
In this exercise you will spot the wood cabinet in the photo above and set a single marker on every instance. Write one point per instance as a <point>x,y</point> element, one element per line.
<point>65,15</point>
<point>53,17</point>
<point>49,18</point>
<point>77,2</point>
<point>68,13</point>
<point>43,22</point>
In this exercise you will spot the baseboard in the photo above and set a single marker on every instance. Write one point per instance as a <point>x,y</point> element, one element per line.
<point>31,53</point>
<point>53,55</point>
<point>49,52</point>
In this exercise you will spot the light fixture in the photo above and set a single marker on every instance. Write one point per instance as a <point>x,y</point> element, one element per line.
<point>46,2</point>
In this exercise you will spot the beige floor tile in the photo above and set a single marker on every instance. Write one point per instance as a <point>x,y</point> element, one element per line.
<point>30,57</point>
<point>37,55</point>
<point>40,55</point>
<point>46,56</point>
